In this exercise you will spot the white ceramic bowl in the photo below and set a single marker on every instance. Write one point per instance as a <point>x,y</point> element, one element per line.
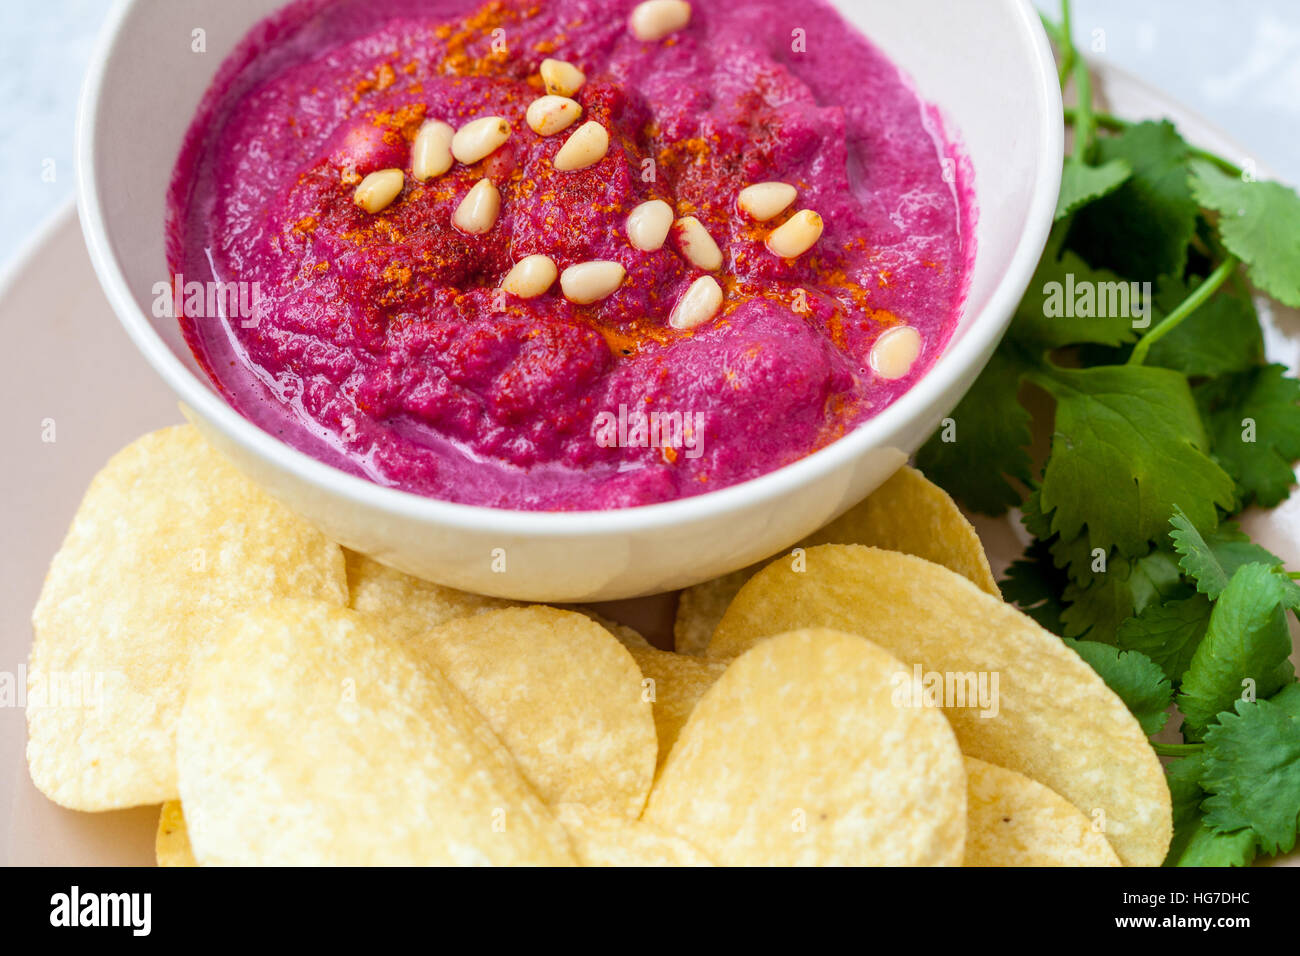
<point>985,63</point>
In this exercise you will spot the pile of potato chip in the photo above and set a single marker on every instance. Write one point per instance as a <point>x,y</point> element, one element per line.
<point>291,703</point>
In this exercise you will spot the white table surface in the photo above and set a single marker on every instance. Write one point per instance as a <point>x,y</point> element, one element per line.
<point>1237,62</point>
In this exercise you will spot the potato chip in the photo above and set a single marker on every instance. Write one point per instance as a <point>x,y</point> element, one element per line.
<point>168,537</point>
<point>562,694</point>
<point>307,739</point>
<point>409,605</point>
<point>798,755</point>
<point>674,684</point>
<point>911,514</point>
<point>617,841</point>
<point>172,842</point>
<point>907,513</point>
<point>1046,714</point>
<point>1014,821</point>
<point>629,637</point>
<point>701,606</point>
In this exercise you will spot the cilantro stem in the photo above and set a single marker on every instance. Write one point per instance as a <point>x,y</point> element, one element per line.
<point>1227,165</point>
<point>1106,121</point>
<point>1085,127</point>
<point>1053,31</point>
<point>1116,124</point>
<point>1064,41</point>
<point>1185,308</point>
<point>1073,65</point>
<point>1176,750</point>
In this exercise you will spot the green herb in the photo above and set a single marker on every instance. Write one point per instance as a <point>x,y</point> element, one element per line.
<point>1139,337</point>
<point>1259,224</point>
<point>1245,647</point>
<point>1211,561</point>
<point>1221,336</point>
<point>1143,228</point>
<point>1194,843</point>
<point>1252,770</point>
<point>1035,584</point>
<point>1138,424</point>
<point>1038,325</point>
<point>1099,603</point>
<point>994,420</point>
<point>1254,430</point>
<point>1082,184</point>
<point>1168,633</point>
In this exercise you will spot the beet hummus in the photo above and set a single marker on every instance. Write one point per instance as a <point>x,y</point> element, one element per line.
<point>730,234</point>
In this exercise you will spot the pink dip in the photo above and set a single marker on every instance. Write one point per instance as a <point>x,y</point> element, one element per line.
<point>380,343</point>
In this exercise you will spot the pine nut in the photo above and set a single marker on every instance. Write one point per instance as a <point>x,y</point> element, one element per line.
<point>796,235</point>
<point>589,282</point>
<point>431,153</point>
<point>648,225</point>
<point>560,78</point>
<point>378,190</point>
<point>479,138</point>
<point>477,212</point>
<point>697,245</point>
<point>530,277</point>
<point>658,18</point>
<point>894,352</point>
<point>698,304</point>
<point>763,201</point>
<point>586,146</point>
<point>547,115</point>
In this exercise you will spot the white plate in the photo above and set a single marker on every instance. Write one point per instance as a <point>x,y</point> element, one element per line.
<point>78,369</point>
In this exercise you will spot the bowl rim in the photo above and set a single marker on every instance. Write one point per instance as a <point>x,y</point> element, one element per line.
<point>979,340</point>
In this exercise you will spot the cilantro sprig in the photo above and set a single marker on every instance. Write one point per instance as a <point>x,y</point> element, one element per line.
<point>1139,349</point>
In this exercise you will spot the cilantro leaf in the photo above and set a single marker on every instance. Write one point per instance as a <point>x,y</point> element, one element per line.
<point>1184,778</point>
<point>1127,587</point>
<point>1254,425</point>
<point>1212,561</point>
<point>1252,770</point>
<point>1143,228</point>
<point>1222,336</point>
<point>1128,447</point>
<point>1207,847</point>
<point>1033,518</point>
<point>1168,632</point>
<point>991,438</point>
<point>1075,557</point>
<point>1259,223</point>
<point>1082,184</point>
<point>1142,685</point>
<point>1034,585</point>
<point>1247,639</point>
<point>1080,560</point>
<point>1195,844</point>
<point>1288,698</point>
<point>1068,303</point>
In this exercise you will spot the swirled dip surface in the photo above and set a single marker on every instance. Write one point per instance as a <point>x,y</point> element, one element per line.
<point>380,343</point>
